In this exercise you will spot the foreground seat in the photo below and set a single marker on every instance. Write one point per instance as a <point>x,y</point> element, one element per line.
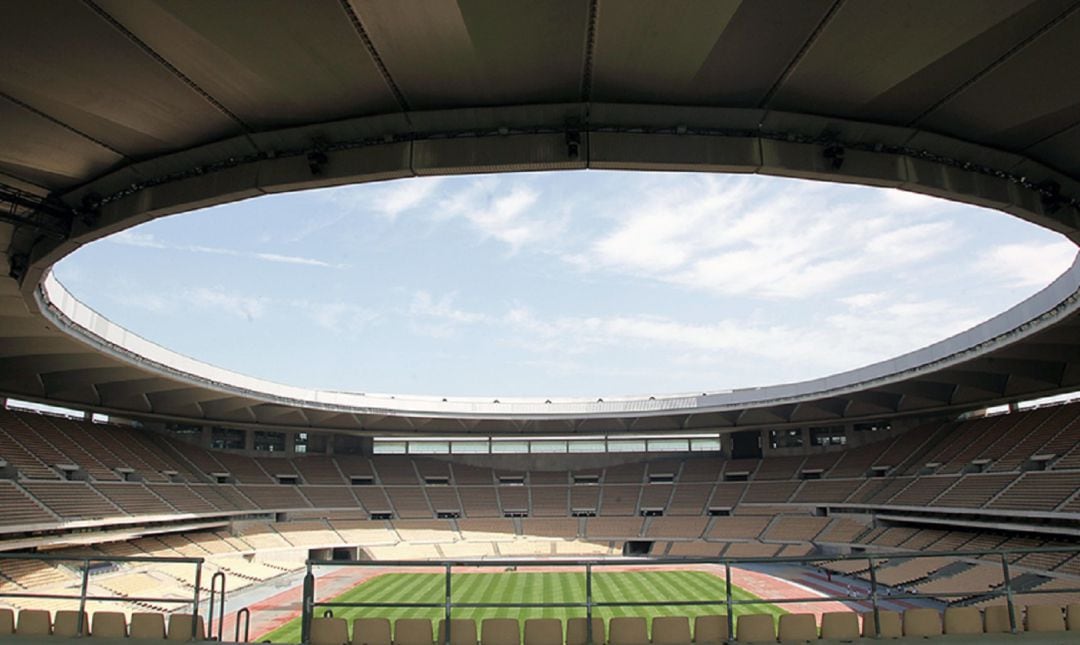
<point>1072,617</point>
<point>890,624</point>
<point>462,631</point>
<point>710,630</point>
<point>755,628</point>
<point>1045,618</point>
<point>372,631</point>
<point>576,634</point>
<point>997,619</point>
<point>839,625</point>
<point>628,630</point>
<point>66,623</point>
<point>963,620</point>
<point>543,631</point>
<point>7,622</point>
<point>922,622</point>
<point>180,629</point>
<point>108,624</point>
<point>798,627</point>
<point>148,625</point>
<point>33,622</point>
<point>500,631</point>
<point>412,631</point>
<point>671,630</point>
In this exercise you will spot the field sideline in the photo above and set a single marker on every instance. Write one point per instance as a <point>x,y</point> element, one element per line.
<point>535,587</point>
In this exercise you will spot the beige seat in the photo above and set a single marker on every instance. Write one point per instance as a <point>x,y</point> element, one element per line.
<point>628,630</point>
<point>66,623</point>
<point>1072,617</point>
<point>890,624</point>
<point>755,628</point>
<point>543,631</point>
<point>963,620</point>
<point>180,628</point>
<point>710,630</point>
<point>1045,618</point>
<point>372,631</point>
<point>576,631</point>
<point>839,625</point>
<point>327,631</point>
<point>922,622</point>
<point>147,625</point>
<point>500,631</point>
<point>671,630</point>
<point>7,622</point>
<point>33,622</point>
<point>412,631</point>
<point>462,631</point>
<point>997,619</point>
<point>798,627</point>
<point>108,624</point>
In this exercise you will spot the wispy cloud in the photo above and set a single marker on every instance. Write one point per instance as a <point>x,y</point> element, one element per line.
<point>1033,264</point>
<point>147,240</point>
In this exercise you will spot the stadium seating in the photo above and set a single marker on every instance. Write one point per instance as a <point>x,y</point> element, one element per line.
<point>500,631</point>
<point>670,630</point>
<point>755,628</point>
<point>543,631</point>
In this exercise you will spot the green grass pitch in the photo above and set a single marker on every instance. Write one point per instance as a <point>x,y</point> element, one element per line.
<point>535,587</point>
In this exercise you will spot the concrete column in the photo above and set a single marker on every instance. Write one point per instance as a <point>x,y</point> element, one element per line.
<point>806,438</point>
<point>206,438</point>
<point>249,440</point>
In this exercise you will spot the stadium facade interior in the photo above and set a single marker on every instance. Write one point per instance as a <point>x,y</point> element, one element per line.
<point>115,112</point>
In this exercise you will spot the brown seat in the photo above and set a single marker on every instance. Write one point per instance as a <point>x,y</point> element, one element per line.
<point>543,631</point>
<point>7,622</point>
<point>671,630</point>
<point>1045,618</point>
<point>500,631</point>
<point>372,631</point>
<point>798,627</point>
<point>628,630</point>
<point>997,619</point>
<point>66,623</point>
<point>1072,617</point>
<point>710,630</point>
<point>329,631</point>
<point>33,622</point>
<point>412,631</point>
<point>922,621</point>
<point>755,628</point>
<point>462,631</point>
<point>963,620</point>
<point>108,624</point>
<point>839,625</point>
<point>147,625</point>
<point>576,631</point>
<point>890,624</point>
<point>180,628</point>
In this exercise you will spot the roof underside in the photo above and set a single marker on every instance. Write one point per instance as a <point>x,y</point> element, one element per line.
<point>116,111</point>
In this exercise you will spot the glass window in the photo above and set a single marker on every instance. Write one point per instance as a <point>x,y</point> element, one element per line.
<point>269,441</point>
<point>709,444</point>
<point>300,443</point>
<point>626,445</point>
<point>226,438</point>
<point>586,445</point>
<point>669,445</point>
<point>468,447</point>
<point>785,438</point>
<point>547,446</point>
<point>829,436</point>
<point>429,447</point>
<point>509,447</point>
<point>389,447</point>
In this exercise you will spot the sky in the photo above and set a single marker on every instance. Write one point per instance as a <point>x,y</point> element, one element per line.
<point>564,284</point>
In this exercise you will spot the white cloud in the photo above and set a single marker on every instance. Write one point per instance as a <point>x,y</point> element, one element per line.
<point>248,307</point>
<point>403,195</point>
<point>147,240</point>
<point>1032,264</point>
<point>338,317</point>
<point>505,214</point>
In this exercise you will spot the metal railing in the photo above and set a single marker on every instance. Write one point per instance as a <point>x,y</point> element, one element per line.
<point>873,595</point>
<point>83,596</point>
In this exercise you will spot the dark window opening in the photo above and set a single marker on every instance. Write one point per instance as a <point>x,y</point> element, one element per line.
<point>637,548</point>
<point>437,481</point>
<point>583,512</point>
<point>652,512</point>
<point>448,515</point>
<point>288,480</point>
<point>587,479</point>
<point>515,513</point>
<point>382,515</point>
<point>362,481</point>
<point>226,438</point>
<point>736,477</point>
<point>511,480</point>
<point>666,478</point>
<point>719,512</point>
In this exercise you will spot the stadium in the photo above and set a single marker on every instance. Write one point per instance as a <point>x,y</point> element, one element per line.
<point>147,495</point>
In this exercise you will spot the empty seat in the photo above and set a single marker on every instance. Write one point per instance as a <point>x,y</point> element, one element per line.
<point>1045,618</point>
<point>890,624</point>
<point>7,622</point>
<point>543,631</point>
<point>922,622</point>
<point>324,631</point>
<point>755,628</point>
<point>798,627</point>
<point>839,625</point>
<point>670,630</point>
<point>412,631</point>
<point>66,623</point>
<point>33,622</point>
<point>108,624</point>
<point>147,625</point>
<point>576,633</point>
<point>628,630</point>
<point>1072,618</point>
<point>711,630</point>
<point>462,631</point>
<point>373,631</point>
<point>500,631</point>
<point>180,628</point>
<point>997,619</point>
<point>963,620</point>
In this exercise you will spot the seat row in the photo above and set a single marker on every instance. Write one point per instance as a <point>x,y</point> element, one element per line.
<point>107,624</point>
<point>707,630</point>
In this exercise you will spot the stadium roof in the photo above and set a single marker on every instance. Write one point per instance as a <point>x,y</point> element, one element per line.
<point>116,112</point>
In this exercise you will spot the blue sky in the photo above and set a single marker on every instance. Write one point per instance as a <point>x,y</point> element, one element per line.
<point>582,283</point>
